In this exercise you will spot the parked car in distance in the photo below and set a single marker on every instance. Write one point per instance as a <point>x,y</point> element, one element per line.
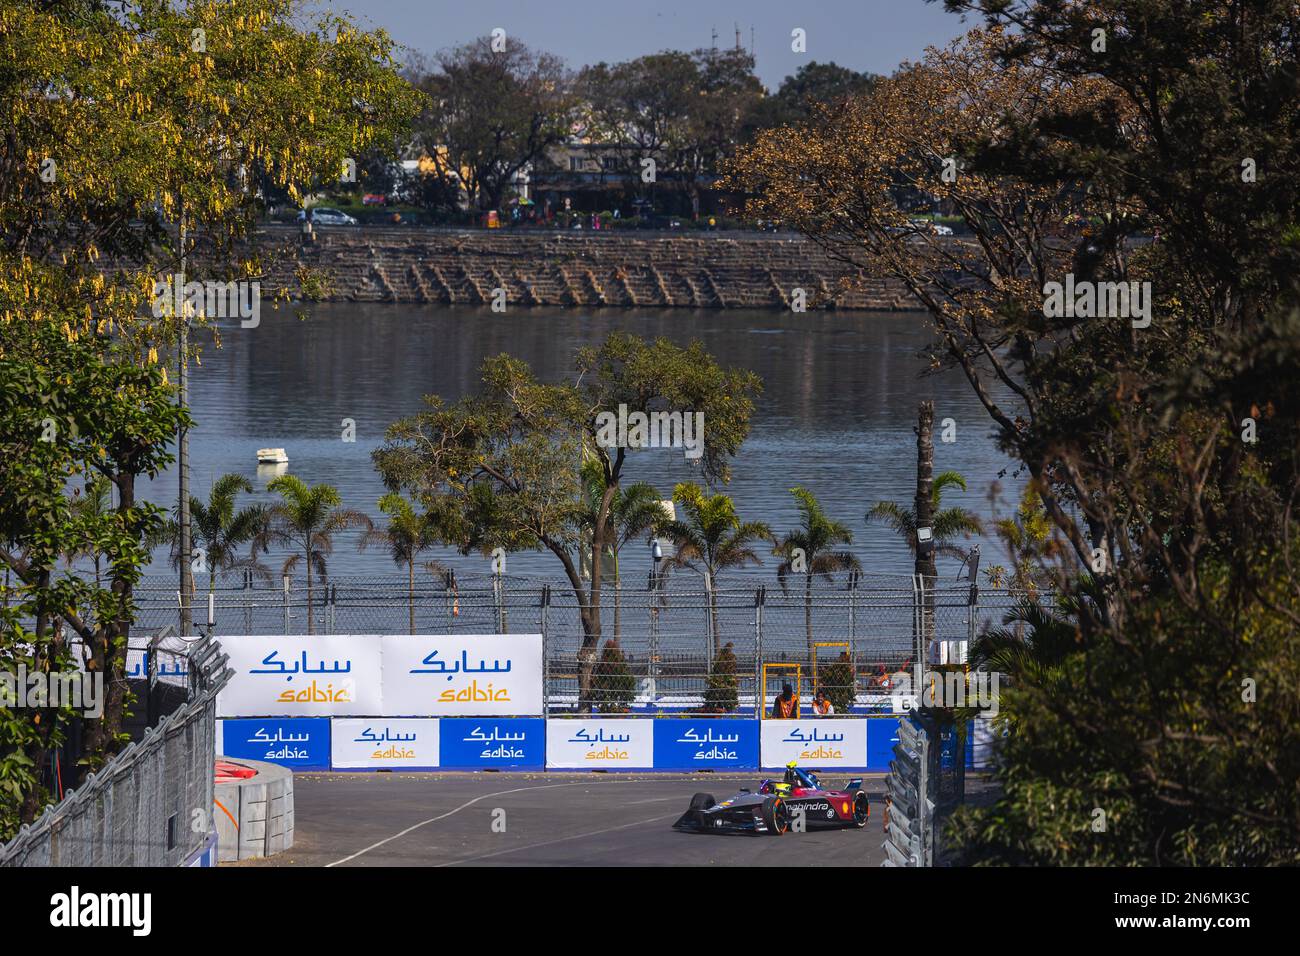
<point>324,216</point>
<point>934,228</point>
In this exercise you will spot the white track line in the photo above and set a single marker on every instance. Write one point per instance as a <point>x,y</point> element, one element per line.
<point>576,836</point>
<point>467,803</point>
<point>633,803</point>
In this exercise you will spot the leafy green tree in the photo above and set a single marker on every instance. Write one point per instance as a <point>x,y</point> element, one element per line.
<point>69,405</point>
<point>491,113</point>
<point>613,685</point>
<point>825,84</point>
<point>721,687</point>
<point>407,535</point>
<point>1028,539</point>
<point>684,111</point>
<point>640,110</point>
<point>306,520</point>
<point>124,131</point>
<point>1162,439</point>
<point>838,682</point>
<point>710,540</point>
<point>503,468</point>
<point>810,551</point>
<point>92,506</point>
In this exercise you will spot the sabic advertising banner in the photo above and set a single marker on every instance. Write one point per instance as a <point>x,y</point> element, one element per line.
<point>604,743</point>
<point>505,743</point>
<point>462,675</point>
<point>302,676</point>
<point>719,742</point>
<point>815,743</point>
<point>381,742</point>
<point>302,743</point>
<point>882,734</point>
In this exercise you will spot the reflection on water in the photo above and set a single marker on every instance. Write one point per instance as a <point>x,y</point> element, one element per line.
<point>836,414</point>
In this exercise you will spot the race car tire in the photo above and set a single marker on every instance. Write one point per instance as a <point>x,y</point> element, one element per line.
<point>700,803</point>
<point>861,810</point>
<point>776,816</point>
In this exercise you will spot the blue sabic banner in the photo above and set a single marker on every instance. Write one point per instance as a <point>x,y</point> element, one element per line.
<point>707,743</point>
<point>300,743</point>
<point>503,743</point>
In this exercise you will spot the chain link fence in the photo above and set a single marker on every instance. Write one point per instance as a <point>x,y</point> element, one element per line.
<point>140,808</point>
<point>667,646</point>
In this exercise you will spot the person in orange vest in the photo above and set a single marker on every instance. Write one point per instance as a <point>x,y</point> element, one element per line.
<point>821,706</point>
<point>786,705</point>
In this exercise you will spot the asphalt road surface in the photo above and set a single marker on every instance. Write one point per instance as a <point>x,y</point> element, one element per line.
<point>551,819</point>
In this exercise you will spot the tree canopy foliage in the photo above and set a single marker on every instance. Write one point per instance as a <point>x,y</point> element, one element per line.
<point>1163,453</point>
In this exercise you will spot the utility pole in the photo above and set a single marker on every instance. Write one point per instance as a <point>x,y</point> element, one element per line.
<point>924,510</point>
<point>183,444</point>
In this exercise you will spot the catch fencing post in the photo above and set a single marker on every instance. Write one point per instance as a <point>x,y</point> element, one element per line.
<point>286,604</point>
<point>918,624</point>
<point>853,632</point>
<point>760,598</point>
<point>546,653</point>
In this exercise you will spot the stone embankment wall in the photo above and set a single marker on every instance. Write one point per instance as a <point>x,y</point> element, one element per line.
<point>575,269</point>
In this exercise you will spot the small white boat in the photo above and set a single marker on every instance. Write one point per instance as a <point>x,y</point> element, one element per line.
<point>272,456</point>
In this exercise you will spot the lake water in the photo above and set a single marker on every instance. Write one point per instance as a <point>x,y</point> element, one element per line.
<point>836,415</point>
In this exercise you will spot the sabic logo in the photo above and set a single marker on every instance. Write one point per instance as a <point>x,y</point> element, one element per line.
<point>75,909</point>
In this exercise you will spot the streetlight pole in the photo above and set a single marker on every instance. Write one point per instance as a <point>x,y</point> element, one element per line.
<point>183,444</point>
<point>656,555</point>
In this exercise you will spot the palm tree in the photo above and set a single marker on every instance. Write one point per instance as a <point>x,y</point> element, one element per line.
<point>712,539</point>
<point>633,511</point>
<point>307,520</point>
<point>1036,659</point>
<point>220,530</point>
<point>810,551</point>
<point>947,523</point>
<point>406,537</point>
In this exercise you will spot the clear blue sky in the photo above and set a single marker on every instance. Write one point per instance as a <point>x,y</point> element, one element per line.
<point>874,35</point>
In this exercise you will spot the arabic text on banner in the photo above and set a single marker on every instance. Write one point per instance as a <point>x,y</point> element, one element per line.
<point>462,675</point>
<point>379,742</point>
<point>605,743</point>
<point>815,743</point>
<point>301,676</point>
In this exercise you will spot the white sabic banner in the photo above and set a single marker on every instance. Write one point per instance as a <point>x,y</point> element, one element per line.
<point>608,743</point>
<point>371,675</point>
<point>378,742</point>
<point>814,742</point>
<point>302,676</point>
<point>463,675</point>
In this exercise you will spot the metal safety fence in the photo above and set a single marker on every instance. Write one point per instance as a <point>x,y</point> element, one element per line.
<point>141,808</point>
<point>726,650</point>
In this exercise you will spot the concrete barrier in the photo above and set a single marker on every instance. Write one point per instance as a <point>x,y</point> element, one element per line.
<point>254,809</point>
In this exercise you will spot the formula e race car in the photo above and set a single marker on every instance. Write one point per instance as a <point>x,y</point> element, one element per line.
<point>776,806</point>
